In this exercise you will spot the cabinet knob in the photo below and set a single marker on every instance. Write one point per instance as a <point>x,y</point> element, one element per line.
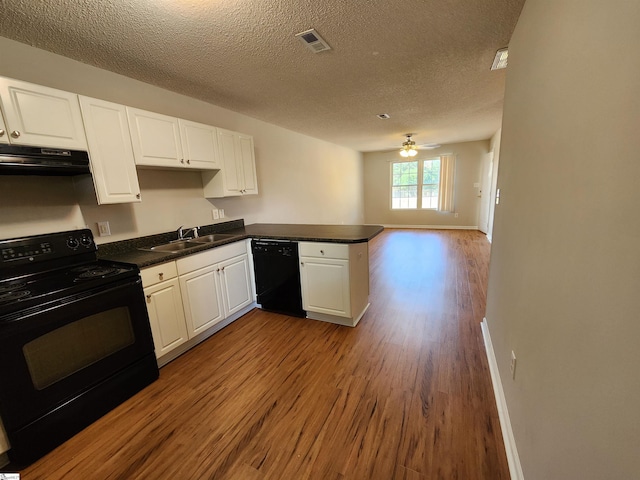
<point>182,160</point>
<point>137,195</point>
<point>15,134</point>
<point>148,298</point>
<point>1,133</point>
<point>189,162</point>
<point>302,263</point>
<point>322,252</point>
<point>161,276</point>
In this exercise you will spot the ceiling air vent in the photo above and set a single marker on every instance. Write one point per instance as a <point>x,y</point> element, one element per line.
<point>313,41</point>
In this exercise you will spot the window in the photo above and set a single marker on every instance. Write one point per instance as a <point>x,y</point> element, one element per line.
<point>415,184</point>
<point>424,184</point>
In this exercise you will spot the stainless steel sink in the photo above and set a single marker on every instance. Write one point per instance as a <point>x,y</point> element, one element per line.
<point>174,247</point>
<point>216,237</point>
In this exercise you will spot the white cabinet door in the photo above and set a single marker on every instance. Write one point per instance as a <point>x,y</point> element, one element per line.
<point>238,167</point>
<point>202,299</point>
<point>112,163</point>
<point>325,286</point>
<point>4,135</point>
<point>230,170</point>
<point>236,283</point>
<point>166,316</point>
<point>247,160</point>
<point>199,145</point>
<point>155,139</point>
<point>41,116</point>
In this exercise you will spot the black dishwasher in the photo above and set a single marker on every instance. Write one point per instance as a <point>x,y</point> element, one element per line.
<point>277,276</point>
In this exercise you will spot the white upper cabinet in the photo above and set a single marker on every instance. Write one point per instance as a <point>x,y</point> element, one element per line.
<point>112,162</point>
<point>199,145</point>
<point>238,167</point>
<point>41,116</point>
<point>155,139</point>
<point>168,142</point>
<point>4,135</point>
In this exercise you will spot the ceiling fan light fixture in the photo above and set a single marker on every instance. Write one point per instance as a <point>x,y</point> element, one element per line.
<point>408,147</point>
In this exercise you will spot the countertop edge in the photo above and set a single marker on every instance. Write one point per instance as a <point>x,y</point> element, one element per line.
<point>128,251</point>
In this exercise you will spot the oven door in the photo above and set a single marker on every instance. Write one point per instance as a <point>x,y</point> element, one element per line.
<point>52,354</point>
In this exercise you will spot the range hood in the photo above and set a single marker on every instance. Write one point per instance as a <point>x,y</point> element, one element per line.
<point>20,160</point>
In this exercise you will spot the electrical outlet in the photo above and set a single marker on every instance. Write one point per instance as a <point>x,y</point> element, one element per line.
<point>103,229</point>
<point>512,367</point>
<point>221,212</point>
<point>215,214</point>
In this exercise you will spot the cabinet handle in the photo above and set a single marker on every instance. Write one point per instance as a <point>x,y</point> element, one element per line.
<point>161,275</point>
<point>15,134</point>
<point>1,133</point>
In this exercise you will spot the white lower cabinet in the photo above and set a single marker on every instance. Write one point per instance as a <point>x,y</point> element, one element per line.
<point>215,284</point>
<point>335,281</point>
<point>195,296</point>
<point>202,299</point>
<point>164,304</point>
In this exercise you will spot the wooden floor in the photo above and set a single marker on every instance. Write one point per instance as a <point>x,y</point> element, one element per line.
<point>404,395</point>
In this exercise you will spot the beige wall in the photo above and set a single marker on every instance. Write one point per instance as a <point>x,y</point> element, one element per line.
<point>301,179</point>
<point>377,188</point>
<point>565,266</point>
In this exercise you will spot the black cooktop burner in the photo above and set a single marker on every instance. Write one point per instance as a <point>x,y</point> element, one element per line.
<point>94,271</point>
<point>10,296</point>
<point>11,286</point>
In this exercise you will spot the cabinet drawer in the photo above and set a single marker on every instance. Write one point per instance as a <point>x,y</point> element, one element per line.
<point>209,257</point>
<point>324,250</point>
<point>158,273</point>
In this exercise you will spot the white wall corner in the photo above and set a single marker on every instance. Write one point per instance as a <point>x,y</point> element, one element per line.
<point>515,469</point>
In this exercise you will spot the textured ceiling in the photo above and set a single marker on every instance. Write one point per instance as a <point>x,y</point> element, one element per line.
<point>424,62</point>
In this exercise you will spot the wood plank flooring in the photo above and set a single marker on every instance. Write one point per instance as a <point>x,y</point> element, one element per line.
<point>404,395</point>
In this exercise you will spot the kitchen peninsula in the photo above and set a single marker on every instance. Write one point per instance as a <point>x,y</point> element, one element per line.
<point>194,292</point>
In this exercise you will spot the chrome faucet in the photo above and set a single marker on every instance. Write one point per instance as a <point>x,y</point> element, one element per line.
<point>183,234</point>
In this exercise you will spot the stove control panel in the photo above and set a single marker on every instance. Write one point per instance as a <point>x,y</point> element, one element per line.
<point>40,248</point>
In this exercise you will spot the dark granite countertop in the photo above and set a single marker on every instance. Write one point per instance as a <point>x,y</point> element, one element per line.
<point>310,233</point>
<point>128,251</point>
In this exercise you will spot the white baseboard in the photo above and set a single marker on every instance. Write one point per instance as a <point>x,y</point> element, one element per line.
<point>435,227</point>
<point>189,344</point>
<point>515,469</point>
